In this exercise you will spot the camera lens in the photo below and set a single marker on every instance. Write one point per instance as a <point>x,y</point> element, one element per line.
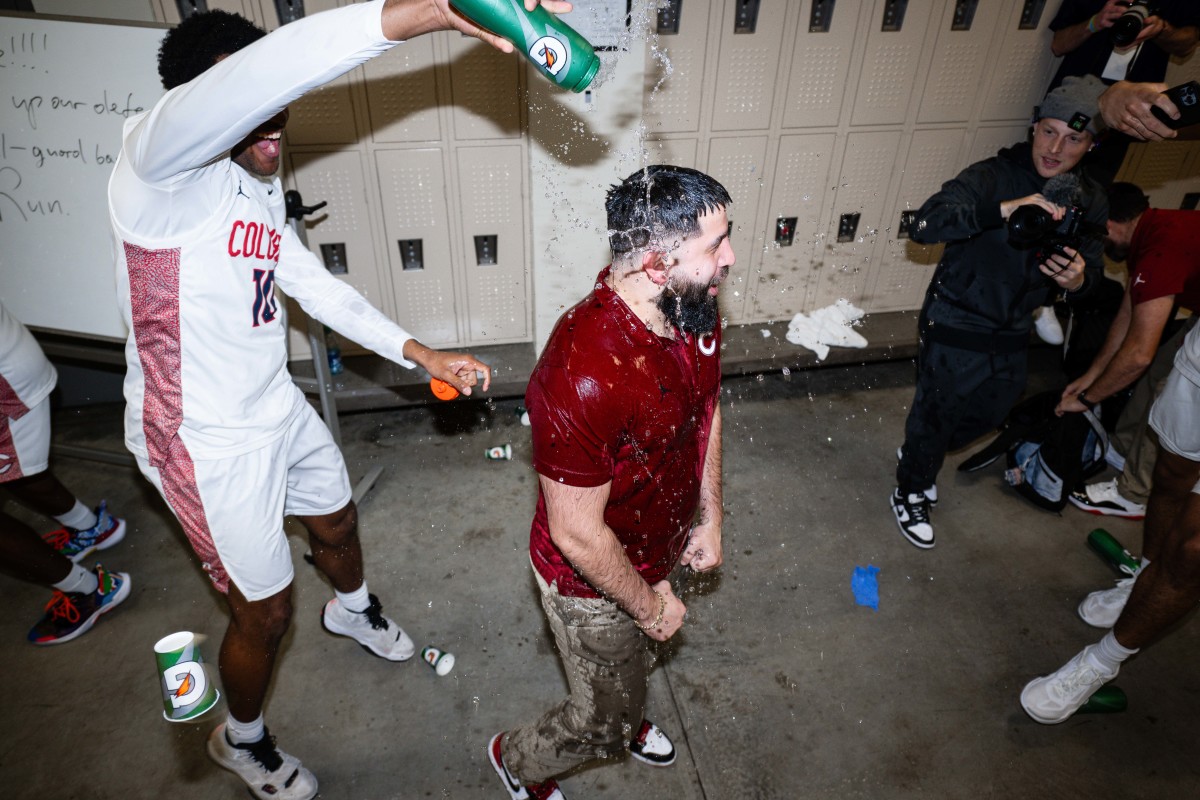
<point>1129,25</point>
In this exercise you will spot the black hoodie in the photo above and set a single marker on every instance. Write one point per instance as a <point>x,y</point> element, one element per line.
<point>985,290</point>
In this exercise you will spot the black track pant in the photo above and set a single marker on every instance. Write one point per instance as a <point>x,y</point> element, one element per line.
<point>961,395</point>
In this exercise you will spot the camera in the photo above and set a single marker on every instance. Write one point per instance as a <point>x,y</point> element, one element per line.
<point>1130,24</point>
<point>1032,226</point>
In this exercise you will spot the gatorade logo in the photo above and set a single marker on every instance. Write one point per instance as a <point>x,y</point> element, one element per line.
<point>186,682</point>
<point>550,54</point>
<point>707,344</point>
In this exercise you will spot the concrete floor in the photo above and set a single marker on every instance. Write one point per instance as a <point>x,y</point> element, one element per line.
<point>781,687</point>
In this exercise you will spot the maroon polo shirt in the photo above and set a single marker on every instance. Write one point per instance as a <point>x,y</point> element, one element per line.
<point>1164,257</point>
<point>611,401</point>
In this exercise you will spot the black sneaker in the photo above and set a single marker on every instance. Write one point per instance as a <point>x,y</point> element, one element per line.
<point>912,515</point>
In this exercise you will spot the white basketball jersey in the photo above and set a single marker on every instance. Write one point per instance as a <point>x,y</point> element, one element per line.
<point>201,245</point>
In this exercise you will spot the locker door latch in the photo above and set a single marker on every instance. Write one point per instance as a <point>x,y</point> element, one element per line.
<point>668,18</point>
<point>785,231</point>
<point>821,16</point>
<point>893,15</point>
<point>1031,15</point>
<point>848,226</point>
<point>289,10</point>
<point>412,255</point>
<point>485,250</point>
<point>745,16</point>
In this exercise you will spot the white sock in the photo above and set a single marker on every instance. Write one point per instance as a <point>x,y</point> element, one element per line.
<point>80,517</point>
<point>1110,653</point>
<point>244,732</point>
<point>78,580</point>
<point>356,601</point>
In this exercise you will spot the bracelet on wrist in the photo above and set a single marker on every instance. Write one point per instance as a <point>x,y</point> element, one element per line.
<point>1092,24</point>
<point>662,609</point>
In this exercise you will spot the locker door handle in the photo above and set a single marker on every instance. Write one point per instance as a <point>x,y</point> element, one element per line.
<point>412,254</point>
<point>964,14</point>
<point>668,18</point>
<point>189,7</point>
<point>745,16</point>
<point>821,16</point>
<point>289,10</point>
<point>1031,15</point>
<point>893,15</point>
<point>848,226</point>
<point>485,250</point>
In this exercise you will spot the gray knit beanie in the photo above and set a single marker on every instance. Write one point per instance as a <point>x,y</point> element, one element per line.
<point>1076,102</point>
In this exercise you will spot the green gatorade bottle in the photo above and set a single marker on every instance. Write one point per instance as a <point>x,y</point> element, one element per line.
<point>553,46</point>
<point>1113,552</point>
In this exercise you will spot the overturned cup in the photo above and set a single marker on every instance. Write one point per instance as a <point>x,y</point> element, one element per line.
<point>441,661</point>
<point>501,452</point>
<point>186,690</point>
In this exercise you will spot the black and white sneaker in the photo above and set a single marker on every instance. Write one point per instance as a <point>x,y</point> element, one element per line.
<point>269,773</point>
<point>651,746</point>
<point>376,632</point>
<point>912,515</point>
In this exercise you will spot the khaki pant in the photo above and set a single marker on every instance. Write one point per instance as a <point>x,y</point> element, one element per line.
<point>1132,435</point>
<point>607,662</point>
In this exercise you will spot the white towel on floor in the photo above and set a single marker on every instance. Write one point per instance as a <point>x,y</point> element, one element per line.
<point>827,326</point>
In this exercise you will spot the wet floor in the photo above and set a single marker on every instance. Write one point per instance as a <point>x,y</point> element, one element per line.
<point>779,687</point>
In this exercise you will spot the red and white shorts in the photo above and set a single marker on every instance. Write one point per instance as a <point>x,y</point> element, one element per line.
<point>1175,419</point>
<point>232,509</point>
<point>25,443</point>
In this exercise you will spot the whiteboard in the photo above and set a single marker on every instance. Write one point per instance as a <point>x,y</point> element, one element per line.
<point>67,88</point>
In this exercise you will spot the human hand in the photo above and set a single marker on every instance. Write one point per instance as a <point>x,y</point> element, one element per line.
<point>703,550</point>
<point>672,618</point>
<point>1152,26</point>
<point>460,370</point>
<point>460,23</point>
<point>1111,12</point>
<point>1070,405</point>
<point>1076,386</point>
<point>1009,206</point>
<point>1126,107</point>
<point>1066,272</point>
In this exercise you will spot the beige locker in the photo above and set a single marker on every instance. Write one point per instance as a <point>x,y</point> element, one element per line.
<point>1166,171</point>
<point>1021,72</point>
<point>415,208</point>
<point>402,93</point>
<point>960,58</point>
<point>820,70</point>
<point>675,72</point>
<point>890,59</point>
<point>491,196</point>
<point>168,10</point>
<point>747,69</point>
<point>738,163</point>
<point>991,140</point>
<point>680,152</point>
<point>905,267</point>
<point>323,116</point>
<point>337,179</point>
<point>862,188</point>
<point>486,87</point>
<point>782,284</point>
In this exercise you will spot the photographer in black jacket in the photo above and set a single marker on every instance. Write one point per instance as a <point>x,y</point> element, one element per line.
<point>978,312</point>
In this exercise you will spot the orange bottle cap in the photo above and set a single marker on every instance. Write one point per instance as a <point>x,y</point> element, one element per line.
<point>442,390</point>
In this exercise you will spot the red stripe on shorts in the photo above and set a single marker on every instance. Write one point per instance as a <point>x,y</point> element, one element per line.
<point>10,465</point>
<point>154,305</point>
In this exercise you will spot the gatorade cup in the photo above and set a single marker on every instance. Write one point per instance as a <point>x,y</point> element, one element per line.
<point>442,662</point>
<point>1106,700</point>
<point>501,452</point>
<point>1111,551</point>
<point>551,45</point>
<point>186,690</point>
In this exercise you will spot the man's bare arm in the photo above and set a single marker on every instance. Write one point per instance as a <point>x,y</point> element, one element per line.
<point>405,19</point>
<point>575,515</point>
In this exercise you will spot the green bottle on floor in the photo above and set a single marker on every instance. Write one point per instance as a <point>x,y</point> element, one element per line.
<point>553,46</point>
<point>1106,700</point>
<point>1113,552</point>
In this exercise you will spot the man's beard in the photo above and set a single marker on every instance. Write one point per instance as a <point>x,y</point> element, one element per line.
<point>692,310</point>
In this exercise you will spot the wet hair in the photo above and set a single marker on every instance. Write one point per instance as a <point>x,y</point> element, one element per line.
<point>1126,201</point>
<point>195,44</point>
<point>659,203</point>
